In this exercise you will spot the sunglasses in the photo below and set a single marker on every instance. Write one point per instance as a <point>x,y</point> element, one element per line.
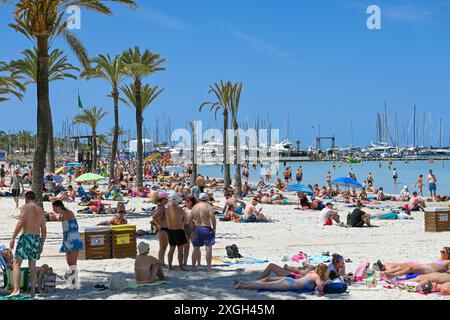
<point>444,252</point>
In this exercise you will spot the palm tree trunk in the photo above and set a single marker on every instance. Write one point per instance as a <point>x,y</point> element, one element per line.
<point>139,168</point>
<point>43,109</point>
<point>237,159</point>
<point>51,145</point>
<point>116,136</point>
<point>226,169</point>
<point>194,154</point>
<point>94,153</point>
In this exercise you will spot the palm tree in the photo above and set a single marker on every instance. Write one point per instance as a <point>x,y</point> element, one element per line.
<point>25,140</point>
<point>10,84</point>
<point>91,118</point>
<point>222,92</point>
<point>139,65</point>
<point>234,109</point>
<point>42,21</point>
<point>112,71</point>
<point>193,127</point>
<point>147,95</point>
<point>59,69</point>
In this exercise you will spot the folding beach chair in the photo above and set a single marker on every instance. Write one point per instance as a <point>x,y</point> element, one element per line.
<point>3,267</point>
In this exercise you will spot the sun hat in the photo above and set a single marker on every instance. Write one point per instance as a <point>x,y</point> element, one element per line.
<point>143,247</point>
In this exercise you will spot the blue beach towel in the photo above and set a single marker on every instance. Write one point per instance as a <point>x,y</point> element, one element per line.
<point>245,260</point>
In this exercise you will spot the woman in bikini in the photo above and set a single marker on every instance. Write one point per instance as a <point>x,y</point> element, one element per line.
<point>399,269</point>
<point>161,221</point>
<point>313,281</point>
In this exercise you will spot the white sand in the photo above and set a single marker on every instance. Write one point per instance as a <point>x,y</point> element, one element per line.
<point>292,231</point>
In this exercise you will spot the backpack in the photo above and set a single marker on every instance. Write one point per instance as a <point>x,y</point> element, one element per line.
<point>233,252</point>
<point>337,286</point>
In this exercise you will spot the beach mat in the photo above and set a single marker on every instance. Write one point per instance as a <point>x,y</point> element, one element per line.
<point>244,260</point>
<point>316,259</point>
<point>133,285</point>
<point>20,297</point>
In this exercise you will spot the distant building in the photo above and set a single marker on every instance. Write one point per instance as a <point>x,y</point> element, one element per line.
<point>146,144</point>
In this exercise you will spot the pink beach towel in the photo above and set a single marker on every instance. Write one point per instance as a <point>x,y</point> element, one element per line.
<point>360,271</point>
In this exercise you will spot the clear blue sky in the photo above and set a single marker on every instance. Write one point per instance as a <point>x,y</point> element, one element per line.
<point>316,59</point>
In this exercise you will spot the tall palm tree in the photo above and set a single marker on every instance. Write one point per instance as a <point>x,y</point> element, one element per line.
<point>42,21</point>
<point>10,84</point>
<point>139,65</point>
<point>193,127</point>
<point>91,118</point>
<point>235,98</point>
<point>59,69</point>
<point>112,71</point>
<point>25,140</point>
<point>222,92</point>
<point>147,95</point>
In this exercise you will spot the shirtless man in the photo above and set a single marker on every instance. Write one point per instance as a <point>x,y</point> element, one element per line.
<point>202,214</point>
<point>415,203</point>
<point>252,214</point>
<point>147,269</point>
<point>160,219</point>
<point>431,181</point>
<point>231,206</point>
<point>31,242</point>
<point>177,235</point>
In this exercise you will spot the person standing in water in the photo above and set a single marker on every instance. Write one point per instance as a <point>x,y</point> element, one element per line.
<point>419,184</point>
<point>31,242</point>
<point>395,175</point>
<point>432,181</point>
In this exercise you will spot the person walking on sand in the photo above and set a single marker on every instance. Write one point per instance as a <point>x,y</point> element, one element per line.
<point>2,176</point>
<point>419,184</point>
<point>15,186</point>
<point>202,214</point>
<point>176,233</point>
<point>72,243</point>
<point>432,181</point>
<point>31,242</point>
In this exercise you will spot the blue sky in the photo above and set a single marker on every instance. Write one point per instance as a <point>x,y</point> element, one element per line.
<point>316,60</point>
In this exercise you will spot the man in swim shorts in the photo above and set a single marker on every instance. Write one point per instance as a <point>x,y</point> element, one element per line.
<point>177,235</point>
<point>431,181</point>
<point>202,214</point>
<point>327,215</point>
<point>31,242</point>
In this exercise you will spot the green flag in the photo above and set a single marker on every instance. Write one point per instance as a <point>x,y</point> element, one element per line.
<point>80,104</point>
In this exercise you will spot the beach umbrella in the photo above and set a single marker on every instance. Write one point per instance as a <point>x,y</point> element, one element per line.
<point>59,170</point>
<point>58,178</point>
<point>74,164</point>
<point>347,182</point>
<point>299,188</point>
<point>89,177</point>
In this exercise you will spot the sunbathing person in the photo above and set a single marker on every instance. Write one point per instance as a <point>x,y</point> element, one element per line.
<point>435,278</point>
<point>399,269</point>
<point>117,220</point>
<point>358,218</point>
<point>286,271</point>
<point>314,280</point>
<point>147,269</point>
<point>66,196</point>
<point>233,207</point>
<point>415,203</point>
<point>304,202</point>
<point>253,215</point>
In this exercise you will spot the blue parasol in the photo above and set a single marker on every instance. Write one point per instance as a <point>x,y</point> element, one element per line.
<point>347,182</point>
<point>299,188</point>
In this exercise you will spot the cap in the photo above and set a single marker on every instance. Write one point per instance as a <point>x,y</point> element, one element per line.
<point>203,197</point>
<point>143,247</point>
<point>177,198</point>
<point>163,195</point>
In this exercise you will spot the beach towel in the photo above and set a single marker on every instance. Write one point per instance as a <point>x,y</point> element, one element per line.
<point>244,260</point>
<point>360,271</point>
<point>133,285</point>
<point>316,259</point>
<point>387,216</point>
<point>20,297</point>
<point>400,278</point>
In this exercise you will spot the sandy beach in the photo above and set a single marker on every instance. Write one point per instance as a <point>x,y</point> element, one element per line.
<point>290,232</point>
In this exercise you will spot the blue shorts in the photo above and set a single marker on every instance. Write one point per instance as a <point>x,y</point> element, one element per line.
<point>204,236</point>
<point>432,187</point>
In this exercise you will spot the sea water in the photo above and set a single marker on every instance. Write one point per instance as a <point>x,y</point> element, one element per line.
<point>316,172</point>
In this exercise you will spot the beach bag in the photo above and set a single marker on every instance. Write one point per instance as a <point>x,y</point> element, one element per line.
<point>233,252</point>
<point>49,280</point>
<point>337,286</point>
<point>24,274</point>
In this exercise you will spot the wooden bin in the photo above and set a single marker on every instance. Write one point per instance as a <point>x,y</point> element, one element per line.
<point>437,219</point>
<point>123,241</point>
<point>97,243</point>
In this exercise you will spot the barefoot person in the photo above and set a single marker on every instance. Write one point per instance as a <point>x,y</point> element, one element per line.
<point>160,220</point>
<point>31,242</point>
<point>177,235</point>
<point>202,214</point>
<point>72,243</point>
<point>327,215</point>
<point>431,181</point>
<point>147,269</point>
<point>16,184</point>
<point>419,184</point>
